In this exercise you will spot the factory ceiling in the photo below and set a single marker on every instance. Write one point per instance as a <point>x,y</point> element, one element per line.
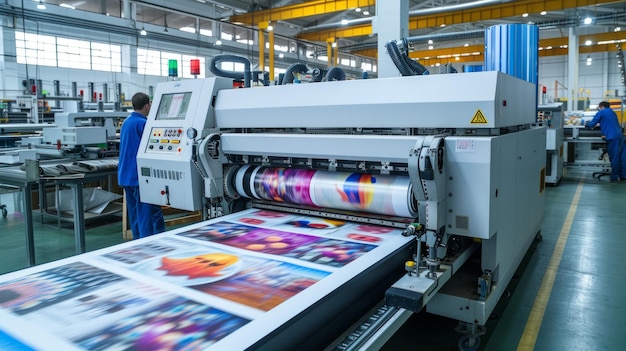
<point>452,25</point>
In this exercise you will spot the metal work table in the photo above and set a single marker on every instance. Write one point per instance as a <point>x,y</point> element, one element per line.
<point>27,179</point>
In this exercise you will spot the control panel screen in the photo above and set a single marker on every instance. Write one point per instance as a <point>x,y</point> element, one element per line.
<point>173,106</point>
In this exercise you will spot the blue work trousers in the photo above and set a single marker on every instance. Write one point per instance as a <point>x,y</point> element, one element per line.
<point>145,219</point>
<point>617,156</point>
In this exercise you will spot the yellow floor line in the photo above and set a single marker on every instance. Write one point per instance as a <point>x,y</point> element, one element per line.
<point>529,336</point>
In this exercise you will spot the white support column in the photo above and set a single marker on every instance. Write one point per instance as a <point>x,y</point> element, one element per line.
<point>391,23</point>
<point>126,11</point>
<point>572,70</point>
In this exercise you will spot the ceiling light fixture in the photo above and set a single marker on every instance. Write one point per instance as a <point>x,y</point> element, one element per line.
<point>344,22</point>
<point>543,13</point>
<point>218,42</point>
<point>431,47</point>
<point>442,25</point>
<point>589,60</point>
<point>270,28</point>
<point>617,29</point>
<point>524,14</point>
<point>430,41</point>
<point>587,20</point>
<point>281,55</point>
<point>588,42</point>
<point>366,13</point>
<point>143,31</point>
<point>466,44</point>
<point>41,5</point>
<point>358,9</point>
<point>67,6</point>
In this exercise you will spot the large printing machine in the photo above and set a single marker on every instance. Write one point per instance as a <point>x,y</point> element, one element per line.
<point>323,200</point>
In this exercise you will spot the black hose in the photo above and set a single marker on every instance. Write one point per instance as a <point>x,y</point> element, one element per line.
<point>246,75</point>
<point>417,68</point>
<point>318,74</point>
<point>335,73</point>
<point>293,68</point>
<point>396,58</point>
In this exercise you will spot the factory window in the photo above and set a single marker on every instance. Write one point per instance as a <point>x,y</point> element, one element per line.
<point>232,66</point>
<point>52,51</point>
<point>106,57</point>
<point>73,53</point>
<point>35,49</point>
<point>149,62</point>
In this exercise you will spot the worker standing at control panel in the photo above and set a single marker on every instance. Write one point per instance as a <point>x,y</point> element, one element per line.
<point>145,219</point>
<point>614,137</point>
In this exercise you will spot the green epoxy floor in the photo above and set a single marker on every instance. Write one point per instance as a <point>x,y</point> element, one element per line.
<point>586,309</point>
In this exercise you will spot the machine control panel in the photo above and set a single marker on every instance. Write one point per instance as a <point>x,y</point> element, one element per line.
<point>165,140</point>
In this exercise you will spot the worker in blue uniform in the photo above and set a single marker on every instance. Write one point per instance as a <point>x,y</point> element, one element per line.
<point>614,137</point>
<point>145,219</point>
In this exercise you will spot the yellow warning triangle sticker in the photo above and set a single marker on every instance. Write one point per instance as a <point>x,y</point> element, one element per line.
<point>479,118</point>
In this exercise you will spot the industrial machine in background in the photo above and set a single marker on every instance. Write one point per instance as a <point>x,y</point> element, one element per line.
<point>551,116</point>
<point>453,160</point>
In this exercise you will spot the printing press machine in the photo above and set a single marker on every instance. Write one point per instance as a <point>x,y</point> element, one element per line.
<point>367,190</point>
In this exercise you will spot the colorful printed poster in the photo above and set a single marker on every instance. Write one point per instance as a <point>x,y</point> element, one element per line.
<point>253,281</point>
<point>337,253</point>
<point>45,288</point>
<point>334,253</point>
<point>138,253</point>
<point>177,324</point>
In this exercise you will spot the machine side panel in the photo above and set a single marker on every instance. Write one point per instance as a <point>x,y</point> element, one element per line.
<point>167,173</point>
<point>476,100</point>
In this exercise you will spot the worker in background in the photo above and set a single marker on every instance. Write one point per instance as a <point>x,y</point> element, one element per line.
<point>145,219</point>
<point>614,137</point>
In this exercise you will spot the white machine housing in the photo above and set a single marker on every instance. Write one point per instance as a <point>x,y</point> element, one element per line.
<point>488,175</point>
<point>169,174</point>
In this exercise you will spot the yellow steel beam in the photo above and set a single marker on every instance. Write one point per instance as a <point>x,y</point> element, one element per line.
<point>557,47</point>
<point>344,32</point>
<point>505,9</point>
<point>305,9</point>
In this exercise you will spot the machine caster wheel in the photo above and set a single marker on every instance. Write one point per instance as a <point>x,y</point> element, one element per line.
<point>538,238</point>
<point>4,212</point>
<point>465,340</point>
<point>507,293</point>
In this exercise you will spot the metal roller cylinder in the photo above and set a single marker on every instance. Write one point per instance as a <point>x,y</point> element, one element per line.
<point>381,194</point>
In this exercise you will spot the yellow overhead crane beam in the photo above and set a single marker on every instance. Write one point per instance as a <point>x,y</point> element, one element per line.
<point>305,9</point>
<point>549,47</point>
<point>492,12</point>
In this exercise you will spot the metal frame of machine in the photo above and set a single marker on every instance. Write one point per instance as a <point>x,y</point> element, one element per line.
<point>465,141</point>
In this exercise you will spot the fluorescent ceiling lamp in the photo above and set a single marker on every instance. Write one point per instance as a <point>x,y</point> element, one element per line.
<point>67,6</point>
<point>187,29</point>
<point>41,5</point>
